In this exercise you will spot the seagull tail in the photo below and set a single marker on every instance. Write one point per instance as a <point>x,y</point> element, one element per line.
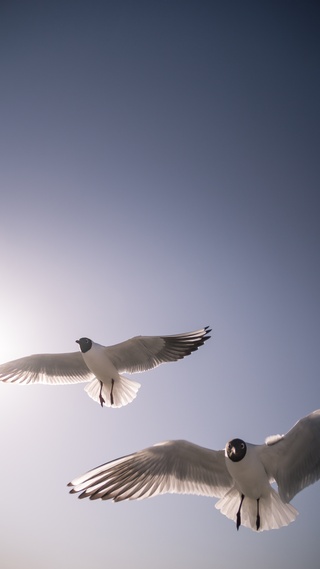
<point>274,513</point>
<point>122,392</point>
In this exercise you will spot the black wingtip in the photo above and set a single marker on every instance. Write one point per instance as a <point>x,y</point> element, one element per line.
<point>80,496</point>
<point>83,495</point>
<point>207,332</point>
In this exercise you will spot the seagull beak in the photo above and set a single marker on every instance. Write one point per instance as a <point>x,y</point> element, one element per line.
<point>230,450</point>
<point>78,341</point>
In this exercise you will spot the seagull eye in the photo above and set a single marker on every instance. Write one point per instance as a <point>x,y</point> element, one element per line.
<point>242,446</point>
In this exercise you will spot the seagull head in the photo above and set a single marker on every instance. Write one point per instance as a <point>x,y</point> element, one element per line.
<point>85,344</point>
<point>236,450</point>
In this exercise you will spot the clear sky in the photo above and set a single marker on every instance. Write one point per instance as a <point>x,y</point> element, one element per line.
<point>159,172</point>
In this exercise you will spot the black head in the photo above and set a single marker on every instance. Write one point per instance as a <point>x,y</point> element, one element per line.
<point>236,450</point>
<point>85,344</point>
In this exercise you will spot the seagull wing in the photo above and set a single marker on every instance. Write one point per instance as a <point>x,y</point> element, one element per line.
<point>173,466</point>
<point>146,352</point>
<point>293,460</point>
<point>46,368</point>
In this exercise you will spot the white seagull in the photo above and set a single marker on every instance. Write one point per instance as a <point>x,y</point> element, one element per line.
<point>240,475</point>
<point>103,366</point>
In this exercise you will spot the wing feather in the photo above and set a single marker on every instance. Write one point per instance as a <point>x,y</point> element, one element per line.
<point>46,368</point>
<point>293,460</point>
<point>142,353</point>
<point>169,467</point>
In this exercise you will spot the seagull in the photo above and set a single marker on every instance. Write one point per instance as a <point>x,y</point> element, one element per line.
<point>240,475</point>
<point>102,366</point>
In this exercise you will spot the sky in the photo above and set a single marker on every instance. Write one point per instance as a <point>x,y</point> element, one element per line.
<point>159,172</point>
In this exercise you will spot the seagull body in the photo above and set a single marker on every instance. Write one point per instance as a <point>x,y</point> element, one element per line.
<point>240,476</point>
<point>103,366</point>
<point>249,473</point>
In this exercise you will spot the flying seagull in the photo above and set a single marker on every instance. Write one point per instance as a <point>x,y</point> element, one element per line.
<point>103,366</point>
<point>241,475</point>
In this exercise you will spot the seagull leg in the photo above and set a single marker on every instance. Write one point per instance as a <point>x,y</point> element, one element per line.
<point>258,515</point>
<point>238,512</point>
<point>102,401</point>
<point>111,392</point>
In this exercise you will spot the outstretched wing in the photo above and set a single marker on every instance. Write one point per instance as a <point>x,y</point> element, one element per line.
<point>169,467</point>
<point>146,352</point>
<point>293,460</point>
<point>46,368</point>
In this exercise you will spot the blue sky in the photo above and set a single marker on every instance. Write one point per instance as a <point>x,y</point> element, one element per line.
<point>159,173</point>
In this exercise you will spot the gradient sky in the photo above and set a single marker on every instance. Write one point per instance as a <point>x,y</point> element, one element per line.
<point>159,172</point>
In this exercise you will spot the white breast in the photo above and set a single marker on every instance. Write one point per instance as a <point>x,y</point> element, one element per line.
<point>98,362</point>
<point>249,474</point>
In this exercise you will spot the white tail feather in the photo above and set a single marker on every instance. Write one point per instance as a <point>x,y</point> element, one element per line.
<point>273,512</point>
<point>124,391</point>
